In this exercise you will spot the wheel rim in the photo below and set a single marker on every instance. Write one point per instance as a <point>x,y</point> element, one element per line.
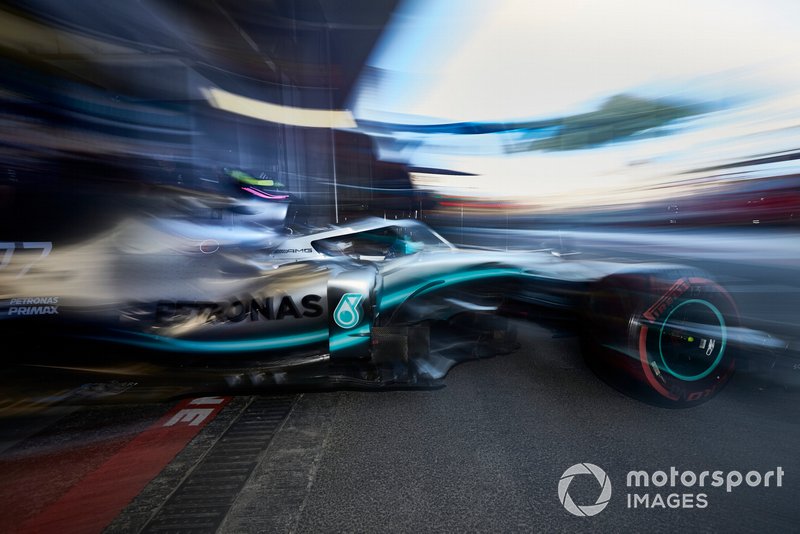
<point>692,340</point>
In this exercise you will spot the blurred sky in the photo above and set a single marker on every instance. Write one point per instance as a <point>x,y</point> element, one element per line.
<point>735,61</point>
<point>473,60</point>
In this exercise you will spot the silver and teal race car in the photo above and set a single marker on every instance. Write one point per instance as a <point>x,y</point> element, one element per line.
<point>375,303</point>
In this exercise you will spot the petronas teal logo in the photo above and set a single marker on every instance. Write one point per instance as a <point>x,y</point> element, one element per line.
<point>346,314</point>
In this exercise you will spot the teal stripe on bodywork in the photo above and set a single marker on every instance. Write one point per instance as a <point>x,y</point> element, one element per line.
<point>152,341</point>
<point>394,298</point>
<point>351,338</point>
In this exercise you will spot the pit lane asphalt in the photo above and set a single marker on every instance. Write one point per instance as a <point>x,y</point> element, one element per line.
<point>486,452</point>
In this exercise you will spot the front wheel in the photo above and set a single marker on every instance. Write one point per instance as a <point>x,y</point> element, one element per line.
<point>663,337</point>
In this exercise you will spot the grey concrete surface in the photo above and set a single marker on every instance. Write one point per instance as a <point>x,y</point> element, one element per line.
<point>486,452</point>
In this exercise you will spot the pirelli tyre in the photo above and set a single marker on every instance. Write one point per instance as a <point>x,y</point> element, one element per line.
<point>662,336</point>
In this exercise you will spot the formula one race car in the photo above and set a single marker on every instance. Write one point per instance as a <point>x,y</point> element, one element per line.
<point>371,304</point>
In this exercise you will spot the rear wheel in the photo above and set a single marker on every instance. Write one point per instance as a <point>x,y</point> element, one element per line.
<point>662,337</point>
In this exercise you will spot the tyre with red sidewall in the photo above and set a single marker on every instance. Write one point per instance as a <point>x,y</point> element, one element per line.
<point>663,336</point>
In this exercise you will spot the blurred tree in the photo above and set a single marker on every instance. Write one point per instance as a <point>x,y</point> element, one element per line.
<point>620,117</point>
